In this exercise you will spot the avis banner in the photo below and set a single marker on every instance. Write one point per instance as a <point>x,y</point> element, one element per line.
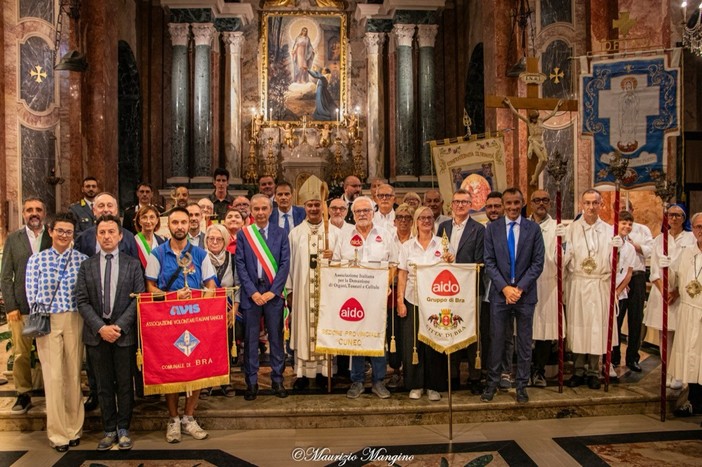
<point>447,302</point>
<point>631,106</point>
<point>352,311</point>
<point>183,342</point>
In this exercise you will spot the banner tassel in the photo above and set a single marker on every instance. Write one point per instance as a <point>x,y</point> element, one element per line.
<point>233,351</point>
<point>139,359</point>
<point>478,362</point>
<point>393,348</point>
<point>415,357</point>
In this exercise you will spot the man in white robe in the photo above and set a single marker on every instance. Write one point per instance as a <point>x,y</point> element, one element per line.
<point>686,358</point>
<point>545,326</point>
<point>588,268</point>
<point>307,247</point>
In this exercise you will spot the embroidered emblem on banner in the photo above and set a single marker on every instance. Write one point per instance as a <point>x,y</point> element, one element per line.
<point>186,343</point>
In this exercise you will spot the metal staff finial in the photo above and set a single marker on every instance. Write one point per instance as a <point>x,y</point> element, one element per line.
<point>618,166</point>
<point>557,166</point>
<point>665,189</point>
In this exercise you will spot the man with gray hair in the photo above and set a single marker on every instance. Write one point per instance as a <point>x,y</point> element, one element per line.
<point>366,243</point>
<point>434,201</point>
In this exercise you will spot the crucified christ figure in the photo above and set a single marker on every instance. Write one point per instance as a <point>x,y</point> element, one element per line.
<point>535,127</point>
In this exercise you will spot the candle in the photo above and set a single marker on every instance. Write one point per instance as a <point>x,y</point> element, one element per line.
<point>270,112</point>
<point>338,117</point>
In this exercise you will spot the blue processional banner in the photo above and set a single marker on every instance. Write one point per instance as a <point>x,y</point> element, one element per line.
<point>630,105</point>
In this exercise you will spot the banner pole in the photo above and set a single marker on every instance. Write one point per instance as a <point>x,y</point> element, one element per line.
<point>450,399</point>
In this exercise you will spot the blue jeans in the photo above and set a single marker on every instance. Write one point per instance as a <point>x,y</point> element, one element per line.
<point>358,368</point>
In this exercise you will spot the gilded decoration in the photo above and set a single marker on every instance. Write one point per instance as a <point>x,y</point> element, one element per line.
<point>304,69</point>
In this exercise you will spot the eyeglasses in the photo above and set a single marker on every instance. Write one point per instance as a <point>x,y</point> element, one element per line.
<point>215,239</point>
<point>363,211</point>
<point>63,233</point>
<point>697,227</point>
<point>461,202</point>
<point>385,196</point>
<point>541,200</point>
<point>674,214</point>
<point>425,218</point>
<point>404,218</point>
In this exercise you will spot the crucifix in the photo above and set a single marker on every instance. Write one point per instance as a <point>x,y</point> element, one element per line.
<point>533,79</point>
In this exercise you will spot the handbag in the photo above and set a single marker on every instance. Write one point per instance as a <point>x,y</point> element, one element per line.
<point>39,320</point>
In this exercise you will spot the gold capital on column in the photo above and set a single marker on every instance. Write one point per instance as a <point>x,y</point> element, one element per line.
<point>404,33</point>
<point>426,34</point>
<point>180,33</point>
<point>203,32</point>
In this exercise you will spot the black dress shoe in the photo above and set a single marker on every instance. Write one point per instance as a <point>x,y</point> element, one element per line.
<point>251,392</point>
<point>488,394</point>
<point>91,403</point>
<point>522,396</point>
<point>61,448</point>
<point>575,381</point>
<point>634,366</point>
<point>593,382</point>
<point>321,381</point>
<point>279,390</point>
<point>301,384</point>
<point>74,442</point>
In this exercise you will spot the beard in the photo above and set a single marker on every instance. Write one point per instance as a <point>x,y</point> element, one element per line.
<point>179,234</point>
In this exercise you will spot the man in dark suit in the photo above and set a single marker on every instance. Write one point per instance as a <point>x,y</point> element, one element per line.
<point>83,208</point>
<point>19,246</point>
<point>286,216</point>
<point>466,237</point>
<point>103,204</point>
<point>105,282</point>
<point>145,196</point>
<point>262,281</point>
<point>514,259</point>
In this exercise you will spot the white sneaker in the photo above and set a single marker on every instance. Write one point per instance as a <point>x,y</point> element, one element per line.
<point>433,396</point>
<point>173,431</point>
<point>676,384</point>
<point>416,394</point>
<point>612,372</point>
<point>190,427</point>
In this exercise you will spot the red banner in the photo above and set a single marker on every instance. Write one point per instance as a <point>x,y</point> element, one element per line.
<point>183,342</point>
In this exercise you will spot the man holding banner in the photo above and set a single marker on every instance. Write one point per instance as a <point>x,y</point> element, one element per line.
<point>165,272</point>
<point>513,287</point>
<point>366,243</point>
<point>263,263</point>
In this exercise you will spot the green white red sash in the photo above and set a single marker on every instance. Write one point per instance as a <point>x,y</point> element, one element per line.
<point>262,252</point>
<point>144,248</point>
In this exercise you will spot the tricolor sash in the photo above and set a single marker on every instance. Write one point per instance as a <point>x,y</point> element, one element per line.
<point>262,252</point>
<point>144,249</point>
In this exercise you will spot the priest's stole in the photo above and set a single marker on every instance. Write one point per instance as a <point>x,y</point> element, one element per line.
<point>183,342</point>
<point>352,311</point>
<point>447,301</point>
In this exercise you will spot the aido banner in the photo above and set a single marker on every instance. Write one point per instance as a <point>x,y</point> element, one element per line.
<point>183,342</point>
<point>352,311</point>
<point>447,301</point>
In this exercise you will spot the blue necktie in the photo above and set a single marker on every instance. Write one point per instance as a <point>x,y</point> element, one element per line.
<point>512,245</point>
<point>286,223</point>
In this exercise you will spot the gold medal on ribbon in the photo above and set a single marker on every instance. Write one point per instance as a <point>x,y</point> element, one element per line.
<point>693,288</point>
<point>589,265</point>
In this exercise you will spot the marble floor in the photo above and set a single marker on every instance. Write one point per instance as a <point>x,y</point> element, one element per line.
<point>535,440</point>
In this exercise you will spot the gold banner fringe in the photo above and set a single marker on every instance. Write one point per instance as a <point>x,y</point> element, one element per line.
<point>450,349</point>
<point>190,386</point>
<point>351,353</point>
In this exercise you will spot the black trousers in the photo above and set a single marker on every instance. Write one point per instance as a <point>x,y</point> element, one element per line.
<point>633,308</point>
<point>113,374</point>
<point>432,370</point>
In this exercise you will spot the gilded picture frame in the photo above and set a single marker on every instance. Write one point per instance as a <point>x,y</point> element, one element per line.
<point>303,66</point>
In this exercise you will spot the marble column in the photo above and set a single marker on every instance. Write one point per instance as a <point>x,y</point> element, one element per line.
<point>232,102</point>
<point>376,154</point>
<point>405,132</point>
<point>202,111</point>
<point>426,35</point>
<point>180,33</point>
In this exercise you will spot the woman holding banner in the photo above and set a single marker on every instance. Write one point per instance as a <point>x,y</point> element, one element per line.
<point>216,237</point>
<point>425,368</point>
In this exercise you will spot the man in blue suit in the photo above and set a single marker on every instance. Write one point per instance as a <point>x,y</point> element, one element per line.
<point>514,259</point>
<point>262,262</point>
<point>285,215</point>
